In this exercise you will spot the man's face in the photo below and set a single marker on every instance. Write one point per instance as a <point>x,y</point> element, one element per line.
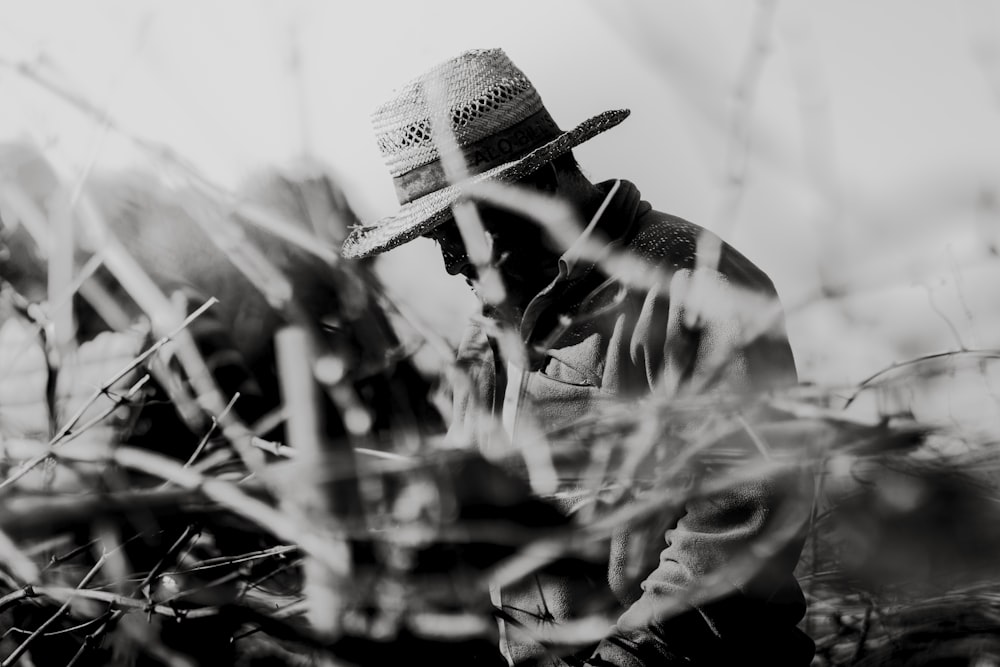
<point>518,246</point>
<point>518,250</point>
<point>456,258</point>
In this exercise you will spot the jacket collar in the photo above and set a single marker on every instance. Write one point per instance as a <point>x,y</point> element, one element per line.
<point>611,226</point>
<point>612,222</point>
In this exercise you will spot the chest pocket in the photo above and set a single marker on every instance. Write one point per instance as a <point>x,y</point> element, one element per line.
<point>556,409</point>
<point>566,388</point>
<point>563,373</point>
<point>557,404</point>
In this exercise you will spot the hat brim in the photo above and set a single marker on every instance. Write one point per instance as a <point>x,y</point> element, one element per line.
<point>425,213</point>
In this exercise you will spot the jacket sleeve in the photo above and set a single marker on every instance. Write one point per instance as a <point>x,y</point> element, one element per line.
<point>723,591</point>
<point>473,387</point>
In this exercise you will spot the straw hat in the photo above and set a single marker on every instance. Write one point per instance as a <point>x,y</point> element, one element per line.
<point>498,128</point>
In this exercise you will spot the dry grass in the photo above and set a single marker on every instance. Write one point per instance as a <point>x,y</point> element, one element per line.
<point>153,512</point>
<point>137,550</point>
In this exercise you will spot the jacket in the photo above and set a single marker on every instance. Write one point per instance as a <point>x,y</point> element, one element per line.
<point>670,331</point>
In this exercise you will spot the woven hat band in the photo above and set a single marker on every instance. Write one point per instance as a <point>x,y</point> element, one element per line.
<point>499,148</point>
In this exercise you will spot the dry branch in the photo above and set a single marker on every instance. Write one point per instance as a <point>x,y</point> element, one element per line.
<point>66,431</point>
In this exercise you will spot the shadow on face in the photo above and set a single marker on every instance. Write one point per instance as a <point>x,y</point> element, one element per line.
<point>520,249</point>
<point>512,236</point>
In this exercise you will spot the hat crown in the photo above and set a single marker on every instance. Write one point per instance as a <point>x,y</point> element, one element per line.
<point>481,92</point>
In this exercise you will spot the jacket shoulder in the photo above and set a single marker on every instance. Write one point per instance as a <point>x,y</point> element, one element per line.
<point>665,239</point>
<point>672,242</point>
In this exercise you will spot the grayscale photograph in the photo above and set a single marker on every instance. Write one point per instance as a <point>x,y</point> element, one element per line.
<point>562,333</point>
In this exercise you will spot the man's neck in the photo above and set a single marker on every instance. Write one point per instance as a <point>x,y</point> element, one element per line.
<point>532,270</point>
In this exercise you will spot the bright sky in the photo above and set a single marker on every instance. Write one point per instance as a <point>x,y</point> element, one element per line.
<point>869,129</point>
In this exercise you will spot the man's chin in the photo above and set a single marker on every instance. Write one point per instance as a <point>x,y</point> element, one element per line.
<point>474,286</point>
<point>472,280</point>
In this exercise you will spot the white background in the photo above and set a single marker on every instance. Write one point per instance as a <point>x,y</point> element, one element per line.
<point>870,130</point>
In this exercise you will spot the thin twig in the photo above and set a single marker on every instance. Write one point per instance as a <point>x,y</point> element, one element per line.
<point>278,523</point>
<point>69,597</point>
<point>58,559</point>
<point>740,135</point>
<point>116,613</point>
<point>131,366</point>
<point>287,452</point>
<point>980,354</point>
<point>28,466</point>
<point>944,317</point>
<point>208,434</point>
<point>178,544</point>
<point>280,551</point>
<point>118,400</point>
<point>91,639</point>
<point>123,602</point>
<point>70,630</point>
<point>11,599</point>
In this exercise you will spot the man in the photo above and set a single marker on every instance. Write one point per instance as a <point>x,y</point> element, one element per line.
<point>575,328</point>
